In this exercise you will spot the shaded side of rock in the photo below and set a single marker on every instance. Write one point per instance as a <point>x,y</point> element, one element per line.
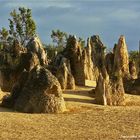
<point>98,54</point>
<point>63,72</point>
<point>109,63</point>
<point>73,52</point>
<point>132,86</point>
<point>9,74</point>
<point>41,93</point>
<point>9,101</point>
<point>132,70</point>
<point>14,61</point>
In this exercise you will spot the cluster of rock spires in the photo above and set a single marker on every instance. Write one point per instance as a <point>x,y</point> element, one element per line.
<point>35,85</point>
<point>33,88</point>
<point>109,89</point>
<point>78,63</point>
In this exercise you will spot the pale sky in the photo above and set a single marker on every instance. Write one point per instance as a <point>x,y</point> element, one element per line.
<point>83,18</point>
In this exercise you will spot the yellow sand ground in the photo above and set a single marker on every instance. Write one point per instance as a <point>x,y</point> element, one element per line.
<point>83,121</point>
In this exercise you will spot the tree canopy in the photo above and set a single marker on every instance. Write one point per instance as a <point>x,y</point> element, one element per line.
<point>22,27</point>
<point>59,37</point>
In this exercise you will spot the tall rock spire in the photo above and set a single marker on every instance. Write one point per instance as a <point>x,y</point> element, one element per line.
<point>121,59</point>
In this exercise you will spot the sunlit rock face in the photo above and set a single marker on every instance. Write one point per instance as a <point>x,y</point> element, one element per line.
<point>91,70</point>
<point>121,59</point>
<point>36,46</point>
<point>81,63</point>
<point>110,91</point>
<point>37,91</point>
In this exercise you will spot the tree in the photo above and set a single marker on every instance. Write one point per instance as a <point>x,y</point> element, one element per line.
<point>22,27</point>
<point>59,38</point>
<point>4,34</point>
<point>3,37</point>
<point>52,51</point>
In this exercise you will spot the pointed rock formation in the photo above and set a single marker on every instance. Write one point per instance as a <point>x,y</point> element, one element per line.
<point>121,59</point>
<point>109,60</point>
<point>110,91</point>
<point>36,46</point>
<point>38,92</point>
<point>100,91</point>
<point>90,69</point>
<point>63,72</point>
<point>73,52</point>
<point>98,54</point>
<point>80,61</point>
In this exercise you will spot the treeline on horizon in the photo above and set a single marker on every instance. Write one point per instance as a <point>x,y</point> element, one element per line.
<point>22,27</point>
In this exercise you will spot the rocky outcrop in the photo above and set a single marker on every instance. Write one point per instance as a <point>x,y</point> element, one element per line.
<point>132,70</point>
<point>81,63</point>
<point>37,91</point>
<point>9,65</point>
<point>110,91</point>
<point>109,62</point>
<point>36,46</point>
<point>132,86</point>
<point>121,59</point>
<point>90,69</point>
<point>63,72</point>
<point>12,64</point>
<point>98,54</point>
<point>73,52</point>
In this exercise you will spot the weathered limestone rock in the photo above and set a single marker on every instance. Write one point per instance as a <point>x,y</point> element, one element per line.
<point>80,61</point>
<point>109,63</point>
<point>121,59</point>
<point>9,101</point>
<point>98,54</point>
<point>38,92</point>
<point>132,70</point>
<point>132,86</point>
<point>28,61</point>
<point>12,64</point>
<point>90,69</point>
<point>63,72</point>
<point>110,91</point>
<point>36,46</point>
<point>98,49</point>
<point>73,52</point>
<point>100,91</point>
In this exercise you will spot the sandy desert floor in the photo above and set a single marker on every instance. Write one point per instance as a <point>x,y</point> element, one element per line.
<point>84,120</point>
